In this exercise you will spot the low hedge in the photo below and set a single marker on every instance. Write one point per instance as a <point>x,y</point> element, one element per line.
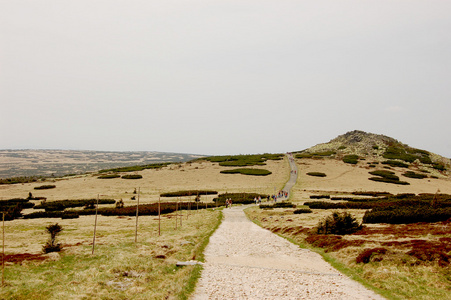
<point>351,159</point>
<point>188,193</point>
<point>319,196</point>
<point>45,187</point>
<point>135,168</point>
<point>317,174</point>
<point>134,176</point>
<point>302,211</point>
<point>247,171</point>
<point>411,174</point>
<point>407,215</point>
<point>395,163</point>
<point>109,176</point>
<point>60,205</point>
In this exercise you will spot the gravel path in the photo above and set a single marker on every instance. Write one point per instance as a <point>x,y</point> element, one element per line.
<point>245,261</point>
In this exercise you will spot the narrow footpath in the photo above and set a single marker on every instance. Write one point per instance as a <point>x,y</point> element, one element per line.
<point>245,261</point>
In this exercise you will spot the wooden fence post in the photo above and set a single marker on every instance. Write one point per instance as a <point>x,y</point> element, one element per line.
<point>137,208</point>
<point>95,226</point>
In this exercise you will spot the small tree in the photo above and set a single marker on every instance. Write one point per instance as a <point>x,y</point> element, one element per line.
<point>51,245</point>
<point>120,204</point>
<point>338,223</point>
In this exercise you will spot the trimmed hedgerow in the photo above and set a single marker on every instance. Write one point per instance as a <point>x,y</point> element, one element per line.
<point>188,193</point>
<point>45,187</point>
<point>248,171</point>
<point>133,176</point>
<point>109,176</point>
<point>317,174</point>
<point>351,159</point>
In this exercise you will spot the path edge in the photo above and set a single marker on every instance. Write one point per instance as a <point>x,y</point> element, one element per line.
<point>348,272</point>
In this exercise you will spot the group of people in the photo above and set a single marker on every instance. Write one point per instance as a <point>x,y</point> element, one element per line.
<point>258,200</point>
<point>229,203</point>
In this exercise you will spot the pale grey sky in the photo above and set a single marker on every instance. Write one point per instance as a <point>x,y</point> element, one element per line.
<point>223,77</point>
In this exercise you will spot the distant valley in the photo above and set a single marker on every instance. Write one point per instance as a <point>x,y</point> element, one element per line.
<point>15,163</point>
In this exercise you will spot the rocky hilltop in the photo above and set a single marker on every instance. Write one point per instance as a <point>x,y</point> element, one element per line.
<point>377,147</point>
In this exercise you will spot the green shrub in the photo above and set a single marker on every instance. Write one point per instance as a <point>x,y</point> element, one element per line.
<point>317,174</point>
<point>386,177</point>
<point>134,176</point>
<point>395,163</point>
<point>45,187</point>
<point>319,196</point>
<point>302,211</point>
<point>51,245</point>
<point>109,176</point>
<point>324,153</point>
<point>407,214</point>
<point>351,159</point>
<point>338,223</point>
<point>247,171</point>
<point>411,174</point>
<point>385,174</point>
<point>439,166</point>
<point>386,180</point>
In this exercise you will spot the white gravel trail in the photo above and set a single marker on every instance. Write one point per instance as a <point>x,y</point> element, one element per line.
<point>245,261</point>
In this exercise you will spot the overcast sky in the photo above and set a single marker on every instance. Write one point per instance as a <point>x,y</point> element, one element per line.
<point>223,76</point>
